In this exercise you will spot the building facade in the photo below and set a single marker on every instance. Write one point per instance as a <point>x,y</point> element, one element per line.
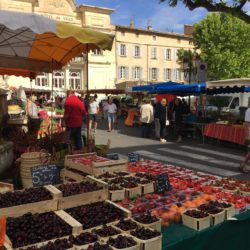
<point>101,64</point>
<point>138,56</point>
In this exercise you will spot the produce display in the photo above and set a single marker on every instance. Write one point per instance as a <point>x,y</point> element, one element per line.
<point>85,238</point>
<point>88,160</point>
<point>122,174</point>
<point>29,229</point>
<point>196,214</point>
<point>146,218</point>
<point>95,214</point>
<point>126,224</point>
<point>29,195</point>
<point>114,187</point>
<point>122,242</point>
<point>210,208</point>
<point>145,233</point>
<point>77,171</point>
<point>106,231</point>
<point>69,189</point>
<point>98,246</point>
<point>106,175</point>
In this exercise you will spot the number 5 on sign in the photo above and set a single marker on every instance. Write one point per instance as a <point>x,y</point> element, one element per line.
<point>36,178</point>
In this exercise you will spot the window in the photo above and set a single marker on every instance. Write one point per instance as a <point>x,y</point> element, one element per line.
<point>123,50</point>
<point>123,72</point>
<point>154,38</point>
<point>154,53</point>
<point>167,74</point>
<point>137,73</point>
<point>137,51</point>
<point>154,74</point>
<point>98,52</point>
<point>42,80</point>
<point>177,75</point>
<point>74,80</point>
<point>167,54</point>
<point>58,79</point>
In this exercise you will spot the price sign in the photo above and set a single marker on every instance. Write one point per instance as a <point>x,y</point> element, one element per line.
<point>45,175</point>
<point>113,156</point>
<point>162,183</point>
<point>133,157</point>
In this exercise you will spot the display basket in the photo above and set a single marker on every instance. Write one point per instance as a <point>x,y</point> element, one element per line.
<point>155,225</point>
<point>150,244</point>
<point>116,195</point>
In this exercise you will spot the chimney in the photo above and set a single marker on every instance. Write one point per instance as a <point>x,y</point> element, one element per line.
<point>149,27</point>
<point>132,23</point>
<point>188,29</point>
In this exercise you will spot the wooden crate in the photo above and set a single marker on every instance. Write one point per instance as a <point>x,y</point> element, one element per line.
<point>85,198</point>
<point>194,223</point>
<point>229,212</point>
<point>4,185</point>
<point>155,225</point>
<point>127,213</point>
<point>151,244</point>
<point>217,218</point>
<point>68,174</point>
<point>147,188</point>
<point>116,195</point>
<point>96,168</point>
<point>133,192</point>
<point>36,207</point>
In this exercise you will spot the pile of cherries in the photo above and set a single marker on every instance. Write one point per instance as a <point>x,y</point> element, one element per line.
<point>145,233</point>
<point>106,231</point>
<point>106,175</point>
<point>114,187</point>
<point>210,208</point>
<point>146,218</point>
<point>196,214</point>
<point>98,246</point>
<point>29,195</point>
<point>69,189</point>
<point>126,224</point>
<point>122,242</point>
<point>95,214</point>
<point>30,229</point>
<point>85,238</point>
<point>147,176</point>
<point>220,204</point>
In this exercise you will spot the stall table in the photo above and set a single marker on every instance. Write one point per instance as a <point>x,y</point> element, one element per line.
<point>230,133</point>
<point>229,235</point>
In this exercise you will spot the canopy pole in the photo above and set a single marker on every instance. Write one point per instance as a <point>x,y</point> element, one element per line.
<point>87,93</point>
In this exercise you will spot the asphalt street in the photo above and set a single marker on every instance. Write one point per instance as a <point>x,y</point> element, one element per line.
<point>214,157</point>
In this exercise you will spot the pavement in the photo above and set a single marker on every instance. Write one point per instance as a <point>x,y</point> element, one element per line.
<point>214,157</point>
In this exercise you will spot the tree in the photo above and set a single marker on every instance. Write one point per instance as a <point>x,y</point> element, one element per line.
<point>224,42</point>
<point>233,7</point>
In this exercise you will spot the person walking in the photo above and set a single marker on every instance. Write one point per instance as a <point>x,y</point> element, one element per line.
<point>111,113</point>
<point>163,118</point>
<point>147,117</point>
<point>242,167</point>
<point>93,111</point>
<point>73,116</point>
<point>178,112</point>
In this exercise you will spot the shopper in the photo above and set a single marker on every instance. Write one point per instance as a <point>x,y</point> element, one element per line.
<point>73,116</point>
<point>164,122</point>
<point>32,112</point>
<point>243,164</point>
<point>93,111</point>
<point>177,113</point>
<point>111,113</point>
<point>147,116</point>
<point>157,120</point>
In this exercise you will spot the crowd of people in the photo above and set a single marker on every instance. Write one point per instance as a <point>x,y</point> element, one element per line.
<point>163,114</point>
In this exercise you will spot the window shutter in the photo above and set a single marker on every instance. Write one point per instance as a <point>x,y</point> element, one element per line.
<point>118,49</point>
<point>140,51</point>
<point>158,74</point>
<point>170,54</point>
<point>133,72</point>
<point>174,55</point>
<point>165,55</point>
<point>133,51</point>
<point>150,74</point>
<point>126,50</point>
<point>152,52</point>
<point>165,74</point>
<point>119,73</point>
<point>173,74</point>
<point>141,73</point>
<point>127,72</point>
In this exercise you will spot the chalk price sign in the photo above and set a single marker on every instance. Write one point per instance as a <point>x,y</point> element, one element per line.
<point>45,175</point>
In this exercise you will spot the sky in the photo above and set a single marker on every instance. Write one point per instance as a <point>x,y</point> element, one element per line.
<point>144,12</point>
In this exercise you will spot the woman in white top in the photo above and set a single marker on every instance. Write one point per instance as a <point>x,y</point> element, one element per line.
<point>32,112</point>
<point>93,111</point>
<point>111,110</point>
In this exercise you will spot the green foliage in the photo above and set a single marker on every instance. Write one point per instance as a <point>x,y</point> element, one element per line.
<point>224,42</point>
